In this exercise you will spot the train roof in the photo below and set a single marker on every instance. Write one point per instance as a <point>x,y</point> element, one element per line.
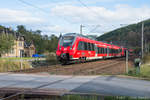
<point>104,43</point>
<point>76,34</point>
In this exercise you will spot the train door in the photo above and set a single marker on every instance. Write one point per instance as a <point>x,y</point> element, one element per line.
<point>96,50</point>
<point>108,51</point>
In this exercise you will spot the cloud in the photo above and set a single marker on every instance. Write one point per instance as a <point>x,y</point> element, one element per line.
<point>56,29</point>
<point>17,16</point>
<point>120,14</point>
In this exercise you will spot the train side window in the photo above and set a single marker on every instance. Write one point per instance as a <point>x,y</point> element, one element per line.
<point>85,46</point>
<point>98,50</point>
<point>110,50</point>
<point>101,50</point>
<point>104,50</point>
<point>91,49</point>
<point>89,46</point>
<point>80,45</point>
<point>92,45</point>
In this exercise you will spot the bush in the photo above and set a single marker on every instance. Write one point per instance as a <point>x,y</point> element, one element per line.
<point>146,59</point>
<point>51,58</point>
<point>145,71</point>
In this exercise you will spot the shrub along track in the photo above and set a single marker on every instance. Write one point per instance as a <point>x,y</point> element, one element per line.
<point>108,66</point>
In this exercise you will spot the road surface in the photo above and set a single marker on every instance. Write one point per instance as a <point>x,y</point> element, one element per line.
<point>103,85</point>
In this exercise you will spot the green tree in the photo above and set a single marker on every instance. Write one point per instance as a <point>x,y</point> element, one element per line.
<point>6,43</point>
<point>53,43</point>
<point>43,43</point>
<point>129,36</point>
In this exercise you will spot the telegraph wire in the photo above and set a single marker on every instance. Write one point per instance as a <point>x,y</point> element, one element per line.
<point>29,4</point>
<point>34,6</point>
<point>83,4</point>
<point>95,28</point>
<point>87,7</point>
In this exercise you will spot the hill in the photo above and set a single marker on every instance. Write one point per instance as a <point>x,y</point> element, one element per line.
<point>129,36</point>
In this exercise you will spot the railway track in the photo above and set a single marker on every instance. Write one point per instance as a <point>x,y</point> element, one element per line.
<point>95,67</point>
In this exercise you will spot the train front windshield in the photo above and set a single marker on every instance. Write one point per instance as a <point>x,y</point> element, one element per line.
<point>66,41</point>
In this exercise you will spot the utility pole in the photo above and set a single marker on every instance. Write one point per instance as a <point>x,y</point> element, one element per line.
<point>127,61</point>
<point>81,26</point>
<point>146,46</point>
<point>142,39</point>
<point>21,52</point>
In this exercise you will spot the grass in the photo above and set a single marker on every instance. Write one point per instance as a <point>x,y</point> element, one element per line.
<point>51,59</point>
<point>144,69</point>
<point>146,59</point>
<point>8,65</point>
<point>144,72</point>
<point>16,58</point>
<point>93,97</point>
<point>87,97</point>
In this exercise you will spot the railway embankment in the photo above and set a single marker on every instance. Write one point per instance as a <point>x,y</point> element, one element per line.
<point>108,66</point>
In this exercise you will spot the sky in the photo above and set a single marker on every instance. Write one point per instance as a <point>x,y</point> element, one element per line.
<point>66,16</point>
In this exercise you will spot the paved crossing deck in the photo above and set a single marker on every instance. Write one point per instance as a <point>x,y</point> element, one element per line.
<point>104,85</point>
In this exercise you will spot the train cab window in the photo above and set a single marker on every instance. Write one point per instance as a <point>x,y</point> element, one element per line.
<point>67,41</point>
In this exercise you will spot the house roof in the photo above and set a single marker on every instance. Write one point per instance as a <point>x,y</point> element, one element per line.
<point>27,45</point>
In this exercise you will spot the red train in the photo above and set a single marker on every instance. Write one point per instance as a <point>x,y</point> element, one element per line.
<point>74,46</point>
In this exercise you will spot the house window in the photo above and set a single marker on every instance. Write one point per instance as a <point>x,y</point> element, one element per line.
<point>12,51</point>
<point>20,44</point>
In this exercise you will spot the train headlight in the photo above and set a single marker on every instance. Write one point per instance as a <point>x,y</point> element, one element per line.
<point>60,48</point>
<point>70,48</point>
